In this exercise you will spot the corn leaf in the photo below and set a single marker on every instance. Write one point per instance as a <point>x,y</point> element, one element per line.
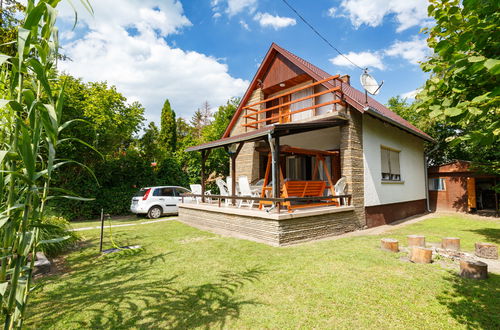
<point>53,240</point>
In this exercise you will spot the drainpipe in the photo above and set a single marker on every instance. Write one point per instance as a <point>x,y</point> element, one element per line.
<point>426,183</point>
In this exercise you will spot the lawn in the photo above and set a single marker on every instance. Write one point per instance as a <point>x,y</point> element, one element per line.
<point>184,278</point>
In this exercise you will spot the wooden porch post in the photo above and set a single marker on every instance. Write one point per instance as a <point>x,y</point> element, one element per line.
<point>204,156</point>
<point>233,170</point>
<point>277,169</point>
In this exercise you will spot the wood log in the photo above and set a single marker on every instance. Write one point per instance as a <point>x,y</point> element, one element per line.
<point>477,270</point>
<point>389,244</point>
<point>420,255</point>
<point>450,243</point>
<point>486,250</point>
<point>416,240</point>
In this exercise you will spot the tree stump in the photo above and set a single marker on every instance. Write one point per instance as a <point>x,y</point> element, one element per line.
<point>420,255</point>
<point>416,240</point>
<point>451,243</point>
<point>389,244</point>
<point>477,270</point>
<point>487,250</point>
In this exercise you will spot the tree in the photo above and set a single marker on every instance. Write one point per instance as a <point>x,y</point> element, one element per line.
<point>463,89</point>
<point>218,162</point>
<point>10,13</point>
<point>202,117</point>
<point>109,122</point>
<point>168,132</point>
<point>441,151</point>
<point>148,143</point>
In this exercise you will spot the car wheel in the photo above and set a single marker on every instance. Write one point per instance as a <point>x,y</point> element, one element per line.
<point>154,212</point>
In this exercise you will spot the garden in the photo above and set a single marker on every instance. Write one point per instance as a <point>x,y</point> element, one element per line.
<point>187,278</point>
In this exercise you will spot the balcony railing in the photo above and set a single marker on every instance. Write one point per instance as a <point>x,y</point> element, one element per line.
<point>284,114</point>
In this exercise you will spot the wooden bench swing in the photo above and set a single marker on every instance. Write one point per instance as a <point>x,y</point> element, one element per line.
<point>302,188</point>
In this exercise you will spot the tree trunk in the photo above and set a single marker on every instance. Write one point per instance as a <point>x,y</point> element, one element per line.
<point>421,255</point>
<point>451,243</point>
<point>487,250</point>
<point>389,244</point>
<point>416,240</point>
<point>477,270</point>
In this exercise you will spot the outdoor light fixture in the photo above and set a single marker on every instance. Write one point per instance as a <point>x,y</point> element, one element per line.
<point>282,85</point>
<point>232,148</point>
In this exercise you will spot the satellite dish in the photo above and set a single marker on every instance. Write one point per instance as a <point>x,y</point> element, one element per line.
<point>370,84</point>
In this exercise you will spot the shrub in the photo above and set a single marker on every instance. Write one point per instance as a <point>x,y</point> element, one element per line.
<point>55,227</point>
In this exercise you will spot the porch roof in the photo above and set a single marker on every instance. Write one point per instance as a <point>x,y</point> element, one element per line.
<point>274,130</point>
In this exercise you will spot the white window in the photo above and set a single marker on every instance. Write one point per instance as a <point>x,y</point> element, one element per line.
<point>390,164</point>
<point>436,184</point>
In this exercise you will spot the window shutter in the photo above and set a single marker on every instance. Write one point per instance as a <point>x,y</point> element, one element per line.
<point>385,160</point>
<point>394,161</point>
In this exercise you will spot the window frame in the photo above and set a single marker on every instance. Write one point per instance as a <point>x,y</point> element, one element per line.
<point>432,187</point>
<point>392,177</point>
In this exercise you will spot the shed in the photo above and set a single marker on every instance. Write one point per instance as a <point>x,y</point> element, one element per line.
<point>455,186</point>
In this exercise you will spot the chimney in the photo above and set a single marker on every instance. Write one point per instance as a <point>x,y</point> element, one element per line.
<point>346,78</point>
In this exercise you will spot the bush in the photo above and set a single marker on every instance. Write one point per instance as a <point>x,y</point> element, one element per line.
<point>56,227</point>
<point>119,178</point>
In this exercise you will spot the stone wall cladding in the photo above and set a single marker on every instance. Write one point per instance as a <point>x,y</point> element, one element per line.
<point>351,158</point>
<point>316,227</point>
<point>272,232</point>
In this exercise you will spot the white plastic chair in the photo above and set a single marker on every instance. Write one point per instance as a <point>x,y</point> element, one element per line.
<point>245,190</point>
<point>196,189</point>
<point>341,188</point>
<point>223,190</point>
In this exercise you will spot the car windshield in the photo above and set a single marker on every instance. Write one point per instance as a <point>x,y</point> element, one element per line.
<point>140,193</point>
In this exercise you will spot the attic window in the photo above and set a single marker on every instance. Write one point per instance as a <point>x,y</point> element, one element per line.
<point>390,164</point>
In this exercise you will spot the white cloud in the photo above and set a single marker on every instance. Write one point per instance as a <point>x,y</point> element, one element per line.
<point>236,6</point>
<point>276,22</point>
<point>244,25</point>
<point>332,12</point>
<point>216,15</point>
<point>413,51</point>
<point>363,59</point>
<point>144,66</point>
<point>408,13</point>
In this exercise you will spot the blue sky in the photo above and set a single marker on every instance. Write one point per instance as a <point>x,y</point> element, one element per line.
<point>197,50</point>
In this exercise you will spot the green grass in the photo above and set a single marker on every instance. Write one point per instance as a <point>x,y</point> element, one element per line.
<point>185,278</point>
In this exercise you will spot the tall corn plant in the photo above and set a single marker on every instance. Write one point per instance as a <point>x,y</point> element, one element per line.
<point>29,134</point>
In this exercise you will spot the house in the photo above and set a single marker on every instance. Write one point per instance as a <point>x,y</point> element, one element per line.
<point>455,186</point>
<point>298,123</point>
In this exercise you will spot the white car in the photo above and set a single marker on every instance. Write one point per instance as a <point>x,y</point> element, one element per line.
<point>156,201</point>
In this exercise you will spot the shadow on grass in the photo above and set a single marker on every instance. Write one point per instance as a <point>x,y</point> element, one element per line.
<point>491,234</point>
<point>473,303</point>
<point>126,298</point>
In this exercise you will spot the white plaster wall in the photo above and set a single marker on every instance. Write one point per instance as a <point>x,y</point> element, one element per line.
<point>322,139</point>
<point>411,157</point>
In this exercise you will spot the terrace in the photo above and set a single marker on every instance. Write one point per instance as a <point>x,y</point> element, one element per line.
<point>299,164</point>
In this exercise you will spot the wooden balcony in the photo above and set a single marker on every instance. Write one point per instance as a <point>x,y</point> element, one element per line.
<point>281,113</point>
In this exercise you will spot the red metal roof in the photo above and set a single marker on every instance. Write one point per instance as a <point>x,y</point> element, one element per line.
<point>352,96</point>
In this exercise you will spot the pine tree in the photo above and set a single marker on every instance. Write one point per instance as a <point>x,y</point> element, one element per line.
<point>168,132</point>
